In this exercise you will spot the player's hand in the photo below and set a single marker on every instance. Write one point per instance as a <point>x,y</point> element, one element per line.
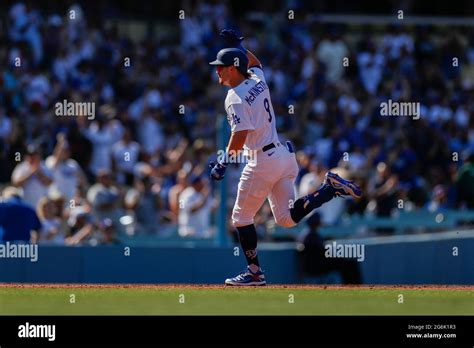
<point>217,170</point>
<point>232,39</point>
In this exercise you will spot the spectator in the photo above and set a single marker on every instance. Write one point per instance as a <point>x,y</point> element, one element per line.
<point>313,258</point>
<point>5,126</point>
<point>150,131</point>
<point>371,64</point>
<point>195,209</point>
<point>18,220</point>
<point>175,191</point>
<point>465,182</point>
<point>331,51</point>
<point>383,189</point>
<point>108,234</point>
<point>395,41</point>
<point>5,136</point>
<point>66,173</point>
<point>24,22</point>
<point>439,201</point>
<point>38,88</point>
<point>81,226</point>
<point>144,201</point>
<point>52,232</point>
<point>124,158</point>
<point>32,176</point>
<point>104,197</point>
<point>103,134</point>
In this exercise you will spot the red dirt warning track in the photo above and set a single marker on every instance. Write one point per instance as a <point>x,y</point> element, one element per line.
<point>213,286</point>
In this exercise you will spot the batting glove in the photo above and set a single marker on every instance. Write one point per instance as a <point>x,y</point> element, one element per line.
<point>232,39</point>
<point>217,170</point>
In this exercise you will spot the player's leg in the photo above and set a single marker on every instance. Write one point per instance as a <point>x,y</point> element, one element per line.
<point>286,211</point>
<point>281,199</point>
<point>333,186</point>
<point>306,204</point>
<point>252,191</point>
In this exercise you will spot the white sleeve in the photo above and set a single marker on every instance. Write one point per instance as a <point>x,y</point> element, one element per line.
<point>49,162</point>
<point>258,72</point>
<point>20,171</point>
<point>238,118</point>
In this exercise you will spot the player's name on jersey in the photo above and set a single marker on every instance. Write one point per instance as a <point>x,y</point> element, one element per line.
<point>241,156</point>
<point>255,91</point>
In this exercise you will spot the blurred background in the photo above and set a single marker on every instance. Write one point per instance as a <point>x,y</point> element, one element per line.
<point>137,173</point>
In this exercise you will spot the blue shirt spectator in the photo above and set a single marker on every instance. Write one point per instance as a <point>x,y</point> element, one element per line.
<point>17,218</point>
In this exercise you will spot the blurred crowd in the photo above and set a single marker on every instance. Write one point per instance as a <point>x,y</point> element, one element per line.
<point>139,166</point>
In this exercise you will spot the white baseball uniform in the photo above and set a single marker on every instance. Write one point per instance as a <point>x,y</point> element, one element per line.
<point>269,173</point>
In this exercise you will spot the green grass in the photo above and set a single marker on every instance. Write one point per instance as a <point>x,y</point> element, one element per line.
<point>231,301</point>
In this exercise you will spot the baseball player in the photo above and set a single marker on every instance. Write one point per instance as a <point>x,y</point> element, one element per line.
<point>271,171</point>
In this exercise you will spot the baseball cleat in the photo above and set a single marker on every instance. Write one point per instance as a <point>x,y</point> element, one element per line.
<point>247,278</point>
<point>342,186</point>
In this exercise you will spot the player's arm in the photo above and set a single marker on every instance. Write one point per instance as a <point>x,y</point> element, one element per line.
<point>233,40</point>
<point>237,141</point>
<point>253,60</point>
<point>240,126</point>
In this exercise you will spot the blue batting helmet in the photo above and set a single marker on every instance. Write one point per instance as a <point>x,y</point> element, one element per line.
<point>232,56</point>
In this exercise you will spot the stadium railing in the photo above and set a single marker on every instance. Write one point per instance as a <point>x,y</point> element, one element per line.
<point>402,222</point>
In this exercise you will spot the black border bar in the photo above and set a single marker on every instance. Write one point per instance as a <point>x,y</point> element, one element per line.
<point>223,330</point>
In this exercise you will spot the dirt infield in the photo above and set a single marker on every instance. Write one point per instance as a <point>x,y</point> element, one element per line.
<point>213,286</point>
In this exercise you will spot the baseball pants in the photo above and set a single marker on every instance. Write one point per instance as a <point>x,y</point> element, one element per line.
<point>271,175</point>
